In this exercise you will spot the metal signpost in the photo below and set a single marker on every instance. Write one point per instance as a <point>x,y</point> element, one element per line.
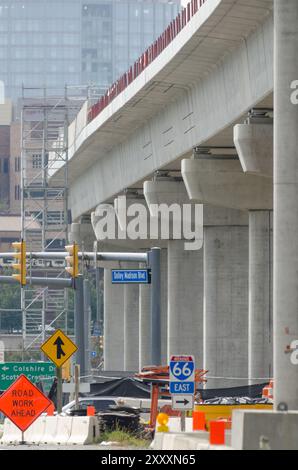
<point>182,384</point>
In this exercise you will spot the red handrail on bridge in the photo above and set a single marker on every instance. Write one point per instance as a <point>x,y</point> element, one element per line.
<point>146,58</point>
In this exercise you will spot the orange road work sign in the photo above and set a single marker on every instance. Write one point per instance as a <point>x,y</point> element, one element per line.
<point>23,403</point>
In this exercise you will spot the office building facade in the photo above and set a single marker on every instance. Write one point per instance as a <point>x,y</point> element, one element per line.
<point>75,42</point>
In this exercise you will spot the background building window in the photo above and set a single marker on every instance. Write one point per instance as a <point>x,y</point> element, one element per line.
<point>6,166</point>
<point>36,160</point>
<point>17,164</point>
<point>17,192</point>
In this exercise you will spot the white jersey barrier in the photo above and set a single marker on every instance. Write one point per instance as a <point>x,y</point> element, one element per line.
<point>50,431</point>
<point>60,430</point>
<point>64,427</point>
<point>85,430</point>
<point>11,433</point>
<point>35,433</point>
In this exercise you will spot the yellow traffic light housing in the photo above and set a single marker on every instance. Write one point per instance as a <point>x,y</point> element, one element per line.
<point>20,262</point>
<point>72,260</point>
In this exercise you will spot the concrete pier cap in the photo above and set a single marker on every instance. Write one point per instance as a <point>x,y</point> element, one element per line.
<point>222,182</point>
<point>121,240</point>
<point>133,216</point>
<point>165,191</point>
<point>82,233</point>
<point>254,144</point>
<point>167,200</point>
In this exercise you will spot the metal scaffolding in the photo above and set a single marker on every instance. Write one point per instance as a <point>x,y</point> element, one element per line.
<point>45,217</point>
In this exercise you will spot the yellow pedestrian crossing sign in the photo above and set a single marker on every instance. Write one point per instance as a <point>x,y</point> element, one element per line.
<point>59,348</point>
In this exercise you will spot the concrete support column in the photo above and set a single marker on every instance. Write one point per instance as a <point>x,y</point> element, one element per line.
<point>113,324</point>
<point>131,327</point>
<point>226,305</point>
<point>260,348</point>
<point>144,325</point>
<point>285,292</point>
<point>164,305</point>
<point>185,301</point>
<point>145,318</point>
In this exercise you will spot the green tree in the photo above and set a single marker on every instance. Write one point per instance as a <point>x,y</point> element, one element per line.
<point>10,299</point>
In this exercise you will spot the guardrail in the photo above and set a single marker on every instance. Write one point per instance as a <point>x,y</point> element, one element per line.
<point>147,57</point>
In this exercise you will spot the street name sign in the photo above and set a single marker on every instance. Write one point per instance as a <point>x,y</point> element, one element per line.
<point>182,375</point>
<point>23,403</point>
<point>34,371</point>
<point>59,348</point>
<point>131,276</point>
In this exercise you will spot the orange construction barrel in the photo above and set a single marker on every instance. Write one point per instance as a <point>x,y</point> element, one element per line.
<point>198,421</point>
<point>90,410</point>
<point>217,433</point>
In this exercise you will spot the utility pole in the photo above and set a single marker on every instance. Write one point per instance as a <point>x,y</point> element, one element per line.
<point>154,262</point>
<point>87,326</point>
<point>79,323</point>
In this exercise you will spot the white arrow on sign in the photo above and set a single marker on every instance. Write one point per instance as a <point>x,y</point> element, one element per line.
<point>5,368</point>
<point>182,402</point>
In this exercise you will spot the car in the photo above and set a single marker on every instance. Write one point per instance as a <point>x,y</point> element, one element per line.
<point>99,403</point>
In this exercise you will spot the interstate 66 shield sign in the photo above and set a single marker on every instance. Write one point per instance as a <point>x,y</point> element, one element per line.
<point>182,375</point>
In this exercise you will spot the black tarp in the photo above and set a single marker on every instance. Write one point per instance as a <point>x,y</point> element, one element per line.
<point>251,391</point>
<point>125,387</point>
<point>130,387</point>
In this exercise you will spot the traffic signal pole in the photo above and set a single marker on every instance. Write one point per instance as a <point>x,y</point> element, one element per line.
<point>152,259</point>
<point>79,323</point>
<point>87,326</point>
<point>154,262</point>
<point>40,281</point>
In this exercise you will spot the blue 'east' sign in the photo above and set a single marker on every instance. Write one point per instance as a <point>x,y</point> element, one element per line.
<point>131,276</point>
<point>182,387</point>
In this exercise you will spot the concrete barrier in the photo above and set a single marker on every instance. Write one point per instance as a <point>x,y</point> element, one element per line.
<point>11,433</point>
<point>64,429</point>
<point>54,430</point>
<point>35,434</point>
<point>50,431</point>
<point>267,430</point>
<point>84,430</point>
<point>184,441</point>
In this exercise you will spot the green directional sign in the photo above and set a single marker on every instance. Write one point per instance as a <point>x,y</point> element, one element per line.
<point>34,371</point>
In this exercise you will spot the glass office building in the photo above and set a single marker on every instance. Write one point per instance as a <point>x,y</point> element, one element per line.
<point>75,42</point>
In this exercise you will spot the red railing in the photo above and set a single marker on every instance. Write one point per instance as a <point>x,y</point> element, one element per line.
<point>147,57</point>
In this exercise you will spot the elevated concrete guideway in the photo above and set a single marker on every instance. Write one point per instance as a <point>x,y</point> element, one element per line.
<point>218,67</point>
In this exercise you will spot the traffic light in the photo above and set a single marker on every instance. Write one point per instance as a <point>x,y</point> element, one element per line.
<point>72,260</point>
<point>101,342</point>
<point>20,262</point>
